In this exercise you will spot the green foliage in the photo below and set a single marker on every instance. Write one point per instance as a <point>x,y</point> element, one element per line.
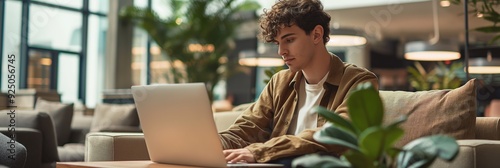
<point>370,143</point>
<point>203,22</point>
<point>441,77</point>
<point>486,8</point>
<point>271,71</point>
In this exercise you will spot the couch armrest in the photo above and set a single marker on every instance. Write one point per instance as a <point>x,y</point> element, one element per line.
<point>112,146</point>
<point>223,120</point>
<point>32,141</point>
<point>115,128</point>
<point>488,128</point>
<point>474,153</point>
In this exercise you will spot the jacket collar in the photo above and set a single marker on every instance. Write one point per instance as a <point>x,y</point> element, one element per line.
<point>335,75</point>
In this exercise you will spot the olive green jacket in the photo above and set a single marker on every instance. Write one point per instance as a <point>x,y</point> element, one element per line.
<point>262,128</point>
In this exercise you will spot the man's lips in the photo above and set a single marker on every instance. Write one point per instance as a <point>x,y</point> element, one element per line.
<point>287,60</point>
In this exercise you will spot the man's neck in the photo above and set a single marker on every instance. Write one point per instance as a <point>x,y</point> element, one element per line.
<point>318,68</point>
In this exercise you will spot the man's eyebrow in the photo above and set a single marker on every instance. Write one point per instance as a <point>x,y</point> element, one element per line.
<point>286,35</point>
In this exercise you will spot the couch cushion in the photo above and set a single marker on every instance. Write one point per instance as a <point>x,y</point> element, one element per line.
<point>61,114</point>
<point>111,115</point>
<point>449,112</point>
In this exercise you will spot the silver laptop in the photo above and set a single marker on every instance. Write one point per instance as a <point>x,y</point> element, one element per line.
<point>179,127</point>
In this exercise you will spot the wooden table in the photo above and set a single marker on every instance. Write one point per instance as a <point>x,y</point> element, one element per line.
<point>124,164</point>
<point>128,164</point>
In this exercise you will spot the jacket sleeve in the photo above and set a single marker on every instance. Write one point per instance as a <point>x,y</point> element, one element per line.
<point>304,143</point>
<point>254,125</point>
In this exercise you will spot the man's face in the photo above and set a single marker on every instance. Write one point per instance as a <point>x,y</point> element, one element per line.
<point>295,47</point>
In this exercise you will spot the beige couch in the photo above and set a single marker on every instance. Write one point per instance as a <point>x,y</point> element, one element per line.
<point>480,152</point>
<point>450,112</point>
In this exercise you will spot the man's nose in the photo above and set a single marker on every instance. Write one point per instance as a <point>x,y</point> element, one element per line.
<point>282,51</point>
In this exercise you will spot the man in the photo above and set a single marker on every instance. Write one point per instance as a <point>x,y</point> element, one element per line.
<point>279,124</point>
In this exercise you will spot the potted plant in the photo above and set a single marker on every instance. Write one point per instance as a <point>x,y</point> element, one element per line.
<point>485,9</point>
<point>370,143</point>
<point>198,34</point>
<point>440,77</point>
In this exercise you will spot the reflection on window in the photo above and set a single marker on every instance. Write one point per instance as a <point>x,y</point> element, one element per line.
<point>68,77</point>
<point>139,56</point>
<point>39,70</point>
<point>55,28</point>
<point>99,6</point>
<point>95,57</point>
<point>161,66</point>
<point>11,40</point>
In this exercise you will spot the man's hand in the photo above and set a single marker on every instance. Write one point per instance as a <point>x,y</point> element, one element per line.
<point>238,155</point>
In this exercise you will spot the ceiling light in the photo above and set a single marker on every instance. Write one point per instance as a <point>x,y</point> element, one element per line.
<point>445,3</point>
<point>482,61</point>
<point>432,50</point>
<point>425,51</point>
<point>345,37</point>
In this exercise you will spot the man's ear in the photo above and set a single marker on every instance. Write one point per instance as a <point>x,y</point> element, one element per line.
<point>317,34</point>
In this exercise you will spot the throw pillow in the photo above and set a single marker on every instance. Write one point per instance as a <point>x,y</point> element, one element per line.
<point>449,112</point>
<point>62,116</point>
<point>114,115</point>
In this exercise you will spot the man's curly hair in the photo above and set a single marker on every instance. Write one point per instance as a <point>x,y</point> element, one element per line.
<point>306,14</point>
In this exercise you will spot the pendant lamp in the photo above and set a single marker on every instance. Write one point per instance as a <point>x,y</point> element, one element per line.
<point>345,38</point>
<point>434,49</point>
<point>484,60</point>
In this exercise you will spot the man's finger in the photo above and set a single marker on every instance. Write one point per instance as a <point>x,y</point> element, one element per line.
<point>237,159</point>
<point>231,157</point>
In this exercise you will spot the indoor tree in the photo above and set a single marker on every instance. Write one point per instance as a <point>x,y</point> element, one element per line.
<point>198,34</point>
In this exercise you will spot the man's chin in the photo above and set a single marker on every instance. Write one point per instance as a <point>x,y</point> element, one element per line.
<point>294,70</point>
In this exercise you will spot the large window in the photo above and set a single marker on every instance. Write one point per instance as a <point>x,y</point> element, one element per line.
<point>63,43</point>
<point>11,39</point>
<point>55,28</point>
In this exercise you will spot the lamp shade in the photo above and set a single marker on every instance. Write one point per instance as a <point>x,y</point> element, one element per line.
<point>485,60</point>
<point>345,38</point>
<point>265,56</point>
<point>424,51</point>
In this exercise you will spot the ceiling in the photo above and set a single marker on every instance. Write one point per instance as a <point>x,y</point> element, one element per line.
<point>408,22</point>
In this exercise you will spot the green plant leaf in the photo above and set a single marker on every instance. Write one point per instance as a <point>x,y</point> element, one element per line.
<point>358,159</point>
<point>375,140</point>
<point>365,107</point>
<point>488,29</point>
<point>335,119</point>
<point>494,39</point>
<point>315,160</point>
<point>371,142</point>
<point>407,158</point>
<point>336,136</point>
<point>426,149</point>
<point>400,120</point>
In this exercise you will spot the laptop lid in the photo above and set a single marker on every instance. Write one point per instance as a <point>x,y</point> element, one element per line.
<point>178,124</point>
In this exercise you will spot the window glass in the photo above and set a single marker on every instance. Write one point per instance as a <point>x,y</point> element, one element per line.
<point>68,80</point>
<point>55,28</point>
<point>39,69</point>
<point>160,66</point>
<point>11,41</point>
<point>68,3</point>
<point>96,49</point>
<point>162,8</point>
<point>139,57</point>
<point>99,6</point>
<point>141,3</point>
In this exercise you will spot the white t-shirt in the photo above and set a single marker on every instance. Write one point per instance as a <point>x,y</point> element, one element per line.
<point>309,96</point>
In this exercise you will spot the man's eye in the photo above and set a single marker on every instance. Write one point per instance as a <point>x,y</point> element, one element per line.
<point>289,40</point>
